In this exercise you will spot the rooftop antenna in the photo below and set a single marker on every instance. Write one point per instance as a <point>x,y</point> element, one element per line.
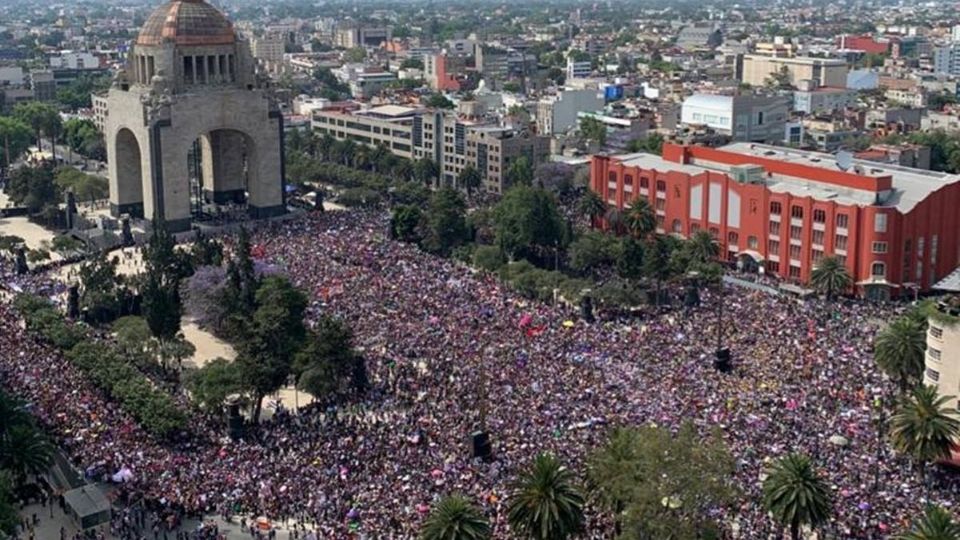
<point>844,160</point>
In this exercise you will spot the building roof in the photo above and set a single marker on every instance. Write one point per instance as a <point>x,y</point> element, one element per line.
<point>187,22</point>
<point>909,186</point>
<point>390,111</point>
<point>709,101</point>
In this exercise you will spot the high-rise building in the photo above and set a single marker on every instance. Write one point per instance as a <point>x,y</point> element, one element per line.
<point>942,357</point>
<point>947,59</point>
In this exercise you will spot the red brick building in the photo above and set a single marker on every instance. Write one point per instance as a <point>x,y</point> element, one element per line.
<point>781,209</point>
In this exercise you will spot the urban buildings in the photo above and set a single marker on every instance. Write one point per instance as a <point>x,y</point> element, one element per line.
<point>823,100</point>
<point>449,140</point>
<point>699,36</point>
<point>947,59</point>
<point>349,36</point>
<point>558,113</point>
<point>758,69</point>
<point>743,118</point>
<point>581,69</point>
<point>781,210</point>
<point>942,357</point>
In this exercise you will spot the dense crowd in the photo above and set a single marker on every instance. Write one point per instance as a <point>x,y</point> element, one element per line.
<point>446,346</point>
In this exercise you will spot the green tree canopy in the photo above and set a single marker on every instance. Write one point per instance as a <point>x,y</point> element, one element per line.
<point>830,276</point>
<point>211,384</point>
<point>439,101</point>
<point>15,137</point>
<point>455,518</point>
<point>693,477</point>
<point>444,225</point>
<point>328,365</point>
<point>546,503</point>
<point>527,223</point>
<point>899,351</point>
<point>936,523</point>
<point>520,172</point>
<point>924,427</point>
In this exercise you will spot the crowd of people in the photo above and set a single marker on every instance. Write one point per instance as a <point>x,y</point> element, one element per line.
<point>448,349</point>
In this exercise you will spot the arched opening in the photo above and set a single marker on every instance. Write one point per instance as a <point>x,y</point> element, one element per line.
<point>221,166</point>
<point>129,174</point>
<point>750,261</point>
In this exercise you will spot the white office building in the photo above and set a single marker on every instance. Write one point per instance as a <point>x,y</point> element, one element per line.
<point>557,114</point>
<point>578,70</point>
<point>743,118</point>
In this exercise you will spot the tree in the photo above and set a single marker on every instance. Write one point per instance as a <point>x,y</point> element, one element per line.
<point>546,504</point>
<point>24,449</point>
<point>652,144</point>
<point>270,339</point>
<point>656,263</point>
<point>591,205</point>
<point>425,170</point>
<point>520,172</point>
<point>527,222</point>
<point>899,351</point>
<point>592,250</point>
<point>134,339</point>
<point>405,222</point>
<point>160,291</point>
<point>924,427</point>
<point>33,187</point>
<point>100,288</point>
<point>935,524</point>
<point>355,55</point>
<point>693,477</point>
<point>640,218</point>
<point>439,101</point>
<point>630,258</point>
<point>702,248</point>
<point>84,186</point>
<point>830,276</point>
<point>42,118</point>
<point>470,179</point>
<point>593,129</point>
<point>9,510</point>
<point>444,225</point>
<point>328,365</point>
<point>796,495</point>
<point>83,137</point>
<point>213,383</point>
<point>15,139</point>
<point>455,518</point>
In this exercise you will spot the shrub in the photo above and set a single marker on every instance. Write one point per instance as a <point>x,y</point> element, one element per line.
<point>488,258</point>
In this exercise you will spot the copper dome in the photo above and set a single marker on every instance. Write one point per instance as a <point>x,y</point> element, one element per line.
<point>187,22</point>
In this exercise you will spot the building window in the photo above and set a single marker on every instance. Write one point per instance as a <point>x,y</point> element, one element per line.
<point>937,333</point>
<point>773,247</point>
<point>879,247</point>
<point>795,231</point>
<point>933,249</point>
<point>773,267</point>
<point>818,238</point>
<point>661,204</point>
<point>878,269</point>
<point>795,252</point>
<point>933,374</point>
<point>644,183</point>
<point>628,180</point>
<point>819,216</point>
<point>660,223</point>
<point>920,247</point>
<point>733,238</point>
<point>934,353</point>
<point>676,226</point>
<point>612,178</point>
<point>919,271</point>
<point>794,272</point>
<point>840,242</point>
<point>775,208</point>
<point>714,233</point>
<point>880,223</point>
<point>842,221</point>
<point>752,242</point>
<point>694,228</point>
<point>796,212</point>
<point>661,186</point>
<point>842,259</point>
<point>775,228</point>
<point>817,256</point>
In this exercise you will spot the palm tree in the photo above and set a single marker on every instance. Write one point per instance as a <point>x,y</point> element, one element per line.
<point>924,428</point>
<point>425,170</point>
<point>936,524</point>
<point>455,518</point>
<point>470,179</point>
<point>702,247</point>
<point>324,145</point>
<point>403,169</point>
<point>796,495</point>
<point>899,351</point>
<point>640,218</point>
<point>362,157</point>
<point>830,277</point>
<point>24,449</point>
<point>546,504</point>
<point>591,205</point>
<point>614,218</point>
